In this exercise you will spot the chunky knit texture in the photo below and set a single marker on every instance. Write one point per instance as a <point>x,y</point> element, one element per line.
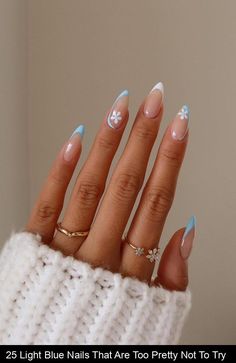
<point>46,298</point>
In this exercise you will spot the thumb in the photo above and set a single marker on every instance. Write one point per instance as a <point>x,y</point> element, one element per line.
<point>173,267</point>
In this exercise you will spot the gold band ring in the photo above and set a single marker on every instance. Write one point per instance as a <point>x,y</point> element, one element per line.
<point>151,254</point>
<point>71,234</point>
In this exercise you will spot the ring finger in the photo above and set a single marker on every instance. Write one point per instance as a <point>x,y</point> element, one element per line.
<point>102,246</point>
<point>140,246</point>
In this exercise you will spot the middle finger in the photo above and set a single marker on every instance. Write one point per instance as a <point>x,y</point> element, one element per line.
<point>102,246</point>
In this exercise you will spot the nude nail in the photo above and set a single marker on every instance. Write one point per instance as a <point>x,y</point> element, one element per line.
<point>119,110</point>
<point>188,237</point>
<point>180,124</point>
<point>154,101</point>
<point>73,144</point>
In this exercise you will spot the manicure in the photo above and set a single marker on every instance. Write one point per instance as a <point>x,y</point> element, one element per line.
<point>79,131</point>
<point>180,124</point>
<point>188,237</point>
<point>72,146</point>
<point>154,101</point>
<point>119,110</point>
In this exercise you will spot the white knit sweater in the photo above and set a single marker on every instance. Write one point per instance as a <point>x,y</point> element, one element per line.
<point>46,298</point>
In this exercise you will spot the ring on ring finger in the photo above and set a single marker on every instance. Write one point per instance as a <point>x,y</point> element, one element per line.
<point>151,254</point>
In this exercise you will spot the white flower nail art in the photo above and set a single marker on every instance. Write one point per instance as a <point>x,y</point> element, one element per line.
<point>184,113</point>
<point>139,251</point>
<point>118,110</point>
<point>116,117</point>
<point>153,255</point>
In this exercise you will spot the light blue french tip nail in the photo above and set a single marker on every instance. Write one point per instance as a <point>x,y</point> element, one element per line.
<point>79,130</point>
<point>123,93</point>
<point>190,225</point>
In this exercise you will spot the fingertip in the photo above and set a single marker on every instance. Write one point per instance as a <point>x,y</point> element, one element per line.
<point>79,130</point>
<point>72,148</point>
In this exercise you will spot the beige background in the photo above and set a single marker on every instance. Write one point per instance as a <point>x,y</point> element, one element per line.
<point>80,55</point>
<point>14,179</point>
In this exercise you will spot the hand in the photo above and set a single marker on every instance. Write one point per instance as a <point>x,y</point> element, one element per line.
<point>103,246</point>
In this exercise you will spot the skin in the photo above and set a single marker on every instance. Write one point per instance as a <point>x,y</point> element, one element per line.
<point>104,245</point>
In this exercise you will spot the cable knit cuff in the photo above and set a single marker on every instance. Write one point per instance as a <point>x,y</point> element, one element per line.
<point>46,298</point>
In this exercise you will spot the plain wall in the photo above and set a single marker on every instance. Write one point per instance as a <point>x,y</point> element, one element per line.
<point>14,179</point>
<point>81,55</point>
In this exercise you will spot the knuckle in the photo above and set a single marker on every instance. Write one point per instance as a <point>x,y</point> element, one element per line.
<point>144,132</point>
<point>88,193</point>
<point>172,157</point>
<point>158,203</point>
<point>126,186</point>
<point>46,212</point>
<point>105,143</point>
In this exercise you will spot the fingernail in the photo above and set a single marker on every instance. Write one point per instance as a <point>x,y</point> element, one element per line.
<point>119,110</point>
<point>74,142</point>
<point>154,101</point>
<point>79,130</point>
<point>180,124</point>
<point>188,237</point>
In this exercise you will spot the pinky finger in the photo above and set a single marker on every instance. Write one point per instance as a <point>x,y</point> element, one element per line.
<point>49,204</point>
<point>173,268</point>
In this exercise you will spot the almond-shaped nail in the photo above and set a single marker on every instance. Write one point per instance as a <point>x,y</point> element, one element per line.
<point>188,237</point>
<point>154,101</point>
<point>119,110</point>
<point>180,124</point>
<point>72,146</point>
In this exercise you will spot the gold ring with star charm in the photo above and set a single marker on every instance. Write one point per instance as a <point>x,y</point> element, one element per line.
<point>151,254</point>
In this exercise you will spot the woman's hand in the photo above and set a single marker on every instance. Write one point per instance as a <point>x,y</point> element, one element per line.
<point>103,246</point>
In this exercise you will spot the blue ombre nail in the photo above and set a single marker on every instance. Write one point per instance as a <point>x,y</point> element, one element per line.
<point>79,130</point>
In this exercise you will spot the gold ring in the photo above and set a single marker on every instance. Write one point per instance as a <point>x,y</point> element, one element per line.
<point>151,254</point>
<point>71,234</point>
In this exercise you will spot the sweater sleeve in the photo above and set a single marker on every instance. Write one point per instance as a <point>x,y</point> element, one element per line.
<point>47,298</point>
